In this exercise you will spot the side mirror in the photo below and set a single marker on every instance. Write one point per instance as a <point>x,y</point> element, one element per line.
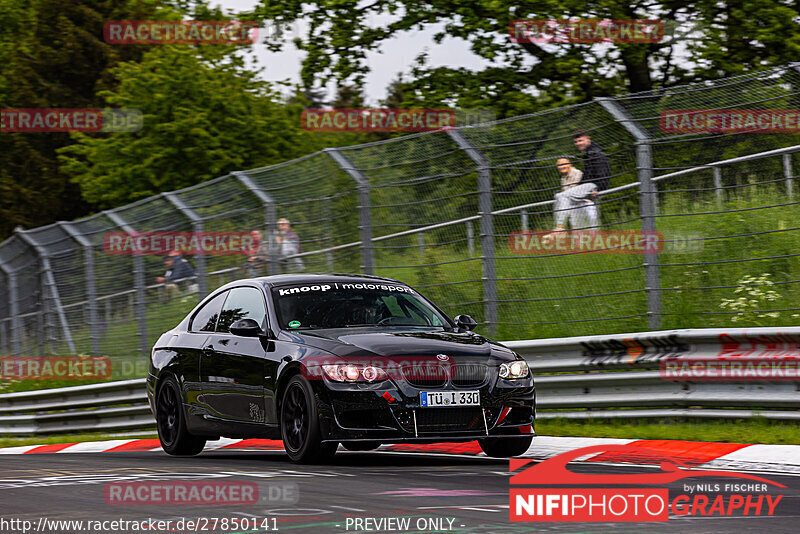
<point>246,328</point>
<point>465,323</point>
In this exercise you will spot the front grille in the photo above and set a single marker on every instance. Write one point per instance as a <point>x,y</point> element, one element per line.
<point>426,376</point>
<point>449,419</point>
<point>469,375</point>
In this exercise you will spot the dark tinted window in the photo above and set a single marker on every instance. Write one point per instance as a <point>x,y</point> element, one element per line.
<point>206,317</point>
<point>329,305</point>
<point>242,303</point>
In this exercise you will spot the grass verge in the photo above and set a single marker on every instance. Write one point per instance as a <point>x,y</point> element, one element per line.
<point>71,438</point>
<point>726,431</point>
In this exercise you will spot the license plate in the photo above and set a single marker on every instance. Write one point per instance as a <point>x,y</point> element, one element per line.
<point>436,399</point>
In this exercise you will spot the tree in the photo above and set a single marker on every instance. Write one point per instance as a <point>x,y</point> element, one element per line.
<point>527,77</point>
<point>205,115</point>
<point>52,54</point>
<point>348,96</point>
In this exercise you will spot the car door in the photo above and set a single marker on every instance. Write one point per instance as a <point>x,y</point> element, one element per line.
<point>190,347</point>
<point>232,367</point>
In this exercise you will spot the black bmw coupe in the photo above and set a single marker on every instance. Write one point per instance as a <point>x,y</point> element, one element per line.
<point>321,360</point>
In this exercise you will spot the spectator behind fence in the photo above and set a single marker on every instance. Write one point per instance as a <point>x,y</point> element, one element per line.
<point>255,263</point>
<point>596,169</point>
<point>574,202</point>
<point>288,245</point>
<point>177,269</point>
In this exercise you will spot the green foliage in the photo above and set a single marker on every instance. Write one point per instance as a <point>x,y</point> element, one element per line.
<point>52,55</point>
<point>723,37</point>
<point>204,116</point>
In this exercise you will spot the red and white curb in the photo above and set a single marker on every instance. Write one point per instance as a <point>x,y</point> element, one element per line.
<point>739,456</point>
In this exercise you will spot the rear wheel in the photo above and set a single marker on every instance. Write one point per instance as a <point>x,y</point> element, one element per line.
<point>300,427</point>
<point>171,422</point>
<point>505,447</point>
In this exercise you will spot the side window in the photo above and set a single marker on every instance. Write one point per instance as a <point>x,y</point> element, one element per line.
<point>242,303</point>
<point>206,317</point>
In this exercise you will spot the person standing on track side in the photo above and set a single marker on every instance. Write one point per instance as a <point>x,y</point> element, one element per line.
<point>596,170</point>
<point>288,245</point>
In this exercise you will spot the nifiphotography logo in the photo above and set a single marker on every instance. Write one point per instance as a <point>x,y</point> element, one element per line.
<point>635,497</point>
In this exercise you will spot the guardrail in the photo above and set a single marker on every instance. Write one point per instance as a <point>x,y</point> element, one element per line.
<point>620,375</point>
<point>606,376</point>
<point>111,406</point>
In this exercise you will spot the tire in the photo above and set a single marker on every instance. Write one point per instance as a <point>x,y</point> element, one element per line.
<point>171,422</point>
<point>357,446</point>
<point>300,429</point>
<point>505,447</point>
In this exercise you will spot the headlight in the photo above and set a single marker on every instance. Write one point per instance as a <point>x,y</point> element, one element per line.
<point>354,373</point>
<point>515,369</point>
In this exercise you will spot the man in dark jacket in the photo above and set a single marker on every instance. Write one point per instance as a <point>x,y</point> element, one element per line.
<point>595,164</point>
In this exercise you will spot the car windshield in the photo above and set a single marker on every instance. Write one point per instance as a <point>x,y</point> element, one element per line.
<point>338,305</point>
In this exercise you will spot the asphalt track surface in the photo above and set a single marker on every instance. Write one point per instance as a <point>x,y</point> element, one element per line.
<point>472,492</point>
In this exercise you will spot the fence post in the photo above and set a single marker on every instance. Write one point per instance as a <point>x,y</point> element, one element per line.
<point>13,308</point>
<point>718,183</point>
<point>138,280</point>
<point>787,174</point>
<point>364,208</point>
<point>470,239</point>
<point>197,226</point>
<point>91,289</point>
<point>270,217</point>
<point>487,226</point>
<point>48,281</point>
<point>647,203</point>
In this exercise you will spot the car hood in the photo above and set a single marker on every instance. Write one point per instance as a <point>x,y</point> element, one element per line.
<point>367,342</point>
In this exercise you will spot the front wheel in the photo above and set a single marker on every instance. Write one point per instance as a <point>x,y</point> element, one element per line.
<point>171,422</point>
<point>505,447</point>
<point>300,427</point>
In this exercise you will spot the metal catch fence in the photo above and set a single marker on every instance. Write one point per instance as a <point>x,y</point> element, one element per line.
<point>443,211</point>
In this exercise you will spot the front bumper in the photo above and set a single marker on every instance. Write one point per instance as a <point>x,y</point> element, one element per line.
<point>364,412</point>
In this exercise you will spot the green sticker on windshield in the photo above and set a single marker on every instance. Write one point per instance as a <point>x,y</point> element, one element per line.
<point>294,324</point>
